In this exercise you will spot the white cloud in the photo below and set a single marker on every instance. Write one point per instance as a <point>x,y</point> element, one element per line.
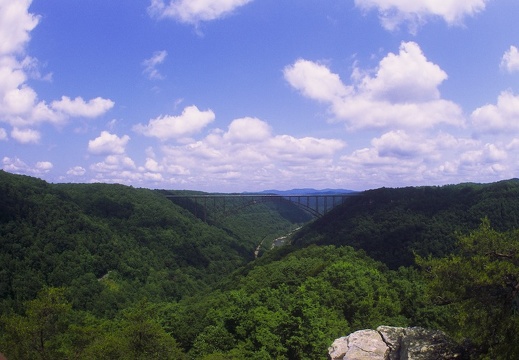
<point>316,81</point>
<point>108,143</point>
<point>15,25</point>
<point>416,12</point>
<point>153,166</point>
<point>14,165</point>
<point>116,163</point>
<point>402,149</point>
<point>194,11</point>
<point>3,134</point>
<point>500,118</point>
<point>32,68</point>
<point>150,65</point>
<point>80,108</point>
<point>19,103</point>
<point>401,157</point>
<point>247,130</point>
<point>510,60</point>
<point>76,171</point>
<point>16,98</point>
<point>400,144</point>
<point>44,166</point>
<point>403,92</point>
<point>247,154</point>
<point>18,166</point>
<point>224,157</point>
<point>121,168</point>
<point>291,149</point>
<point>406,77</point>
<point>168,127</point>
<point>25,136</point>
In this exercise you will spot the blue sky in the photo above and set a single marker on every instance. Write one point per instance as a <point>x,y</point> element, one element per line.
<point>246,95</point>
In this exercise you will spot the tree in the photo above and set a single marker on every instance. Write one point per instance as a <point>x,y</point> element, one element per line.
<point>37,334</point>
<point>145,337</point>
<point>479,288</point>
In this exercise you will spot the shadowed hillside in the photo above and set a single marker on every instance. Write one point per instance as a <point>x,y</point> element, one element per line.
<point>393,224</point>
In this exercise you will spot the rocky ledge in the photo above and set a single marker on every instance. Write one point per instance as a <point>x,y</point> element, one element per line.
<point>396,343</point>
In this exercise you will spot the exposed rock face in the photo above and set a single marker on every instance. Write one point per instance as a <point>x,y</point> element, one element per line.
<point>395,343</point>
<point>361,345</point>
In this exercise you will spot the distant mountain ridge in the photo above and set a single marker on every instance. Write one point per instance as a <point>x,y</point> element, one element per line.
<point>308,191</point>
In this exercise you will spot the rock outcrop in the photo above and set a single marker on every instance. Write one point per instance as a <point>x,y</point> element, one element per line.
<point>395,343</point>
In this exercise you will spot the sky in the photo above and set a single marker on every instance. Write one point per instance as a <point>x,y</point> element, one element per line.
<point>248,95</point>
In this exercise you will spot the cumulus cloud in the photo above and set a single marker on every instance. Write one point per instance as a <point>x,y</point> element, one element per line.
<point>76,171</point>
<point>247,130</point>
<point>253,158</point>
<point>510,60</point>
<point>120,168</point>
<point>406,77</point>
<point>14,165</point>
<point>191,121</point>
<point>400,144</point>
<point>19,103</point>
<point>399,148</point>
<point>114,163</point>
<point>16,25</point>
<point>150,65</point>
<point>3,134</point>
<point>194,11</point>
<point>403,92</point>
<point>44,166</point>
<point>18,166</point>
<point>400,156</point>
<point>500,118</point>
<point>80,108</point>
<point>289,149</point>
<point>249,155</point>
<point>108,143</point>
<point>153,166</point>
<point>246,153</point>
<point>26,136</point>
<point>316,81</point>
<point>416,12</point>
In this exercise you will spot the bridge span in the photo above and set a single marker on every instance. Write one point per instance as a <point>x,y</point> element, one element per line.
<point>226,204</point>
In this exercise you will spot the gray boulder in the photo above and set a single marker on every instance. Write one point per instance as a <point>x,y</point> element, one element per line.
<point>361,345</point>
<point>395,343</point>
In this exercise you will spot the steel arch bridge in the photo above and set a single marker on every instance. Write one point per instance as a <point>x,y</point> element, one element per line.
<point>227,204</point>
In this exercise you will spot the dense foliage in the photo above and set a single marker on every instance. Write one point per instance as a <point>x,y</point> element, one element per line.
<point>392,225</point>
<point>108,244</point>
<point>477,288</point>
<point>292,307</point>
<point>98,271</point>
<point>254,220</point>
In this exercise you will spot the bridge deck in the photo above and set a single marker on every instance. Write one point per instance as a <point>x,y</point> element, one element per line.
<point>315,204</point>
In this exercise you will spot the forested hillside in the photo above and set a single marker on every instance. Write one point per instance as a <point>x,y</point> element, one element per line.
<point>392,225</point>
<point>98,271</point>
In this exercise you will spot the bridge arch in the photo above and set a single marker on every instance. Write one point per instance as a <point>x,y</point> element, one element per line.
<point>227,204</point>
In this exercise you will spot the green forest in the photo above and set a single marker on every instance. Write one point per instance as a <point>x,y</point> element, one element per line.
<point>106,271</point>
